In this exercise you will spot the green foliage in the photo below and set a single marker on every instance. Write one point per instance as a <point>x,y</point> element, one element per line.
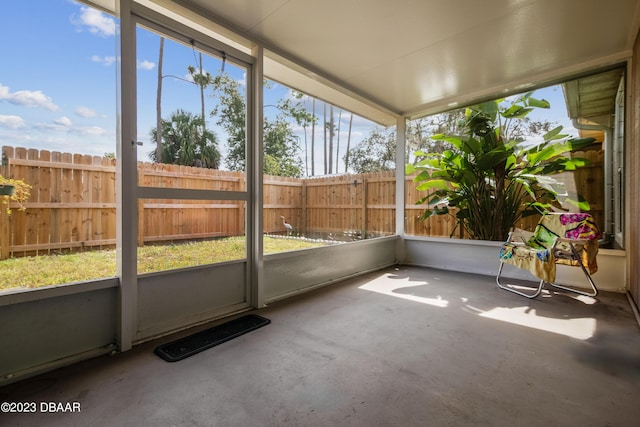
<point>375,153</point>
<point>491,175</point>
<point>280,143</point>
<point>280,149</point>
<point>232,117</point>
<point>185,141</point>
<point>420,131</point>
<point>295,110</point>
<point>200,79</point>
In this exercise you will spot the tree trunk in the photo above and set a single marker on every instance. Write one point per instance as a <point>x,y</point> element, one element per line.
<point>338,141</point>
<point>313,138</point>
<point>324,122</point>
<point>346,158</point>
<point>202,95</point>
<point>331,135</point>
<point>306,152</point>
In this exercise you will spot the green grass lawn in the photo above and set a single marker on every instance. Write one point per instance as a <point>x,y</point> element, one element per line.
<point>46,270</point>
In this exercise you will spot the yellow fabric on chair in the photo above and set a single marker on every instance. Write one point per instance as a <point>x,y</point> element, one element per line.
<point>553,241</point>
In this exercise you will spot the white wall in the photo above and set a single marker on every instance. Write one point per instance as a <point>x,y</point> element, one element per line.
<point>481,257</point>
<point>41,329</point>
<point>291,273</point>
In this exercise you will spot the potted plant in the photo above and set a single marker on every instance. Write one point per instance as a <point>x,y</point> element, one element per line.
<point>13,190</point>
<point>492,175</point>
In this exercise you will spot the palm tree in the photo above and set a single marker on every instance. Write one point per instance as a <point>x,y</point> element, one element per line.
<point>313,137</point>
<point>346,156</point>
<point>187,142</point>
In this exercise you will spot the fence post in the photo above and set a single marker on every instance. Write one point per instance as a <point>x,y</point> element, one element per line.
<point>5,229</point>
<point>365,211</point>
<point>140,223</point>
<point>304,207</point>
<point>141,168</point>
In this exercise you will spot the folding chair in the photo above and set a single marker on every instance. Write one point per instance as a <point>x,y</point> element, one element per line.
<point>559,238</point>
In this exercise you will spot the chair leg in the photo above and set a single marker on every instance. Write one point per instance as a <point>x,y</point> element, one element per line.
<point>594,290</point>
<point>507,286</point>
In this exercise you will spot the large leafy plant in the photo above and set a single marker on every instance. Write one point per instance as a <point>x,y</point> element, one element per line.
<point>492,175</point>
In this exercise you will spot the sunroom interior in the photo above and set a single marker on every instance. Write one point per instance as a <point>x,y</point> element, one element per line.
<point>390,62</point>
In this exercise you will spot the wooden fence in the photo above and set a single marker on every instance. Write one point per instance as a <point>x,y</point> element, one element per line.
<point>73,204</point>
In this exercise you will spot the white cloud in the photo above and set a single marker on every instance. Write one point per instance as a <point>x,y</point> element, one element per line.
<point>95,22</point>
<point>51,127</point>
<point>91,130</point>
<point>65,126</point>
<point>27,98</point>
<point>104,60</point>
<point>11,122</point>
<point>83,111</point>
<point>63,121</point>
<point>146,65</point>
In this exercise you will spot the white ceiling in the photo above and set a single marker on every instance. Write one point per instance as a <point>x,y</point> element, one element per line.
<point>420,56</point>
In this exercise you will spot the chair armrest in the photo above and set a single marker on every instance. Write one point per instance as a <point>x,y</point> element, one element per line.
<point>519,236</point>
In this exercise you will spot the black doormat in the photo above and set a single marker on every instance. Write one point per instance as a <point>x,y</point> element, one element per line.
<point>188,346</point>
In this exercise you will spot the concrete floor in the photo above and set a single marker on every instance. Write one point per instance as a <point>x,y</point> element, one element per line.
<point>401,347</point>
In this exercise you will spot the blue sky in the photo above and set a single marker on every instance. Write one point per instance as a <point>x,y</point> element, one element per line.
<point>58,79</point>
<point>55,93</point>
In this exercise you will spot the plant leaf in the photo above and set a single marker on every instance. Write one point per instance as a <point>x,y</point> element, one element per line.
<point>516,112</point>
<point>581,204</point>
<point>538,103</point>
<point>554,134</point>
<point>453,140</point>
<point>434,183</point>
<point>491,159</point>
<point>579,143</point>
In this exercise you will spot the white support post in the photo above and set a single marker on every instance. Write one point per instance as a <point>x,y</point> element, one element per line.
<point>126,180</point>
<point>401,160</point>
<point>255,159</point>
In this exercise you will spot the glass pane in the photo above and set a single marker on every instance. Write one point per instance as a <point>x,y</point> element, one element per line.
<point>58,130</point>
<point>192,123</point>
<point>528,126</point>
<point>328,174</point>
<point>187,233</point>
<point>191,113</point>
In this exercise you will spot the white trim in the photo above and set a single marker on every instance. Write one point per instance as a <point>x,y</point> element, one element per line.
<point>254,166</point>
<point>189,36</point>
<point>126,182</point>
<point>401,143</point>
<point>21,295</point>
<point>201,21</point>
